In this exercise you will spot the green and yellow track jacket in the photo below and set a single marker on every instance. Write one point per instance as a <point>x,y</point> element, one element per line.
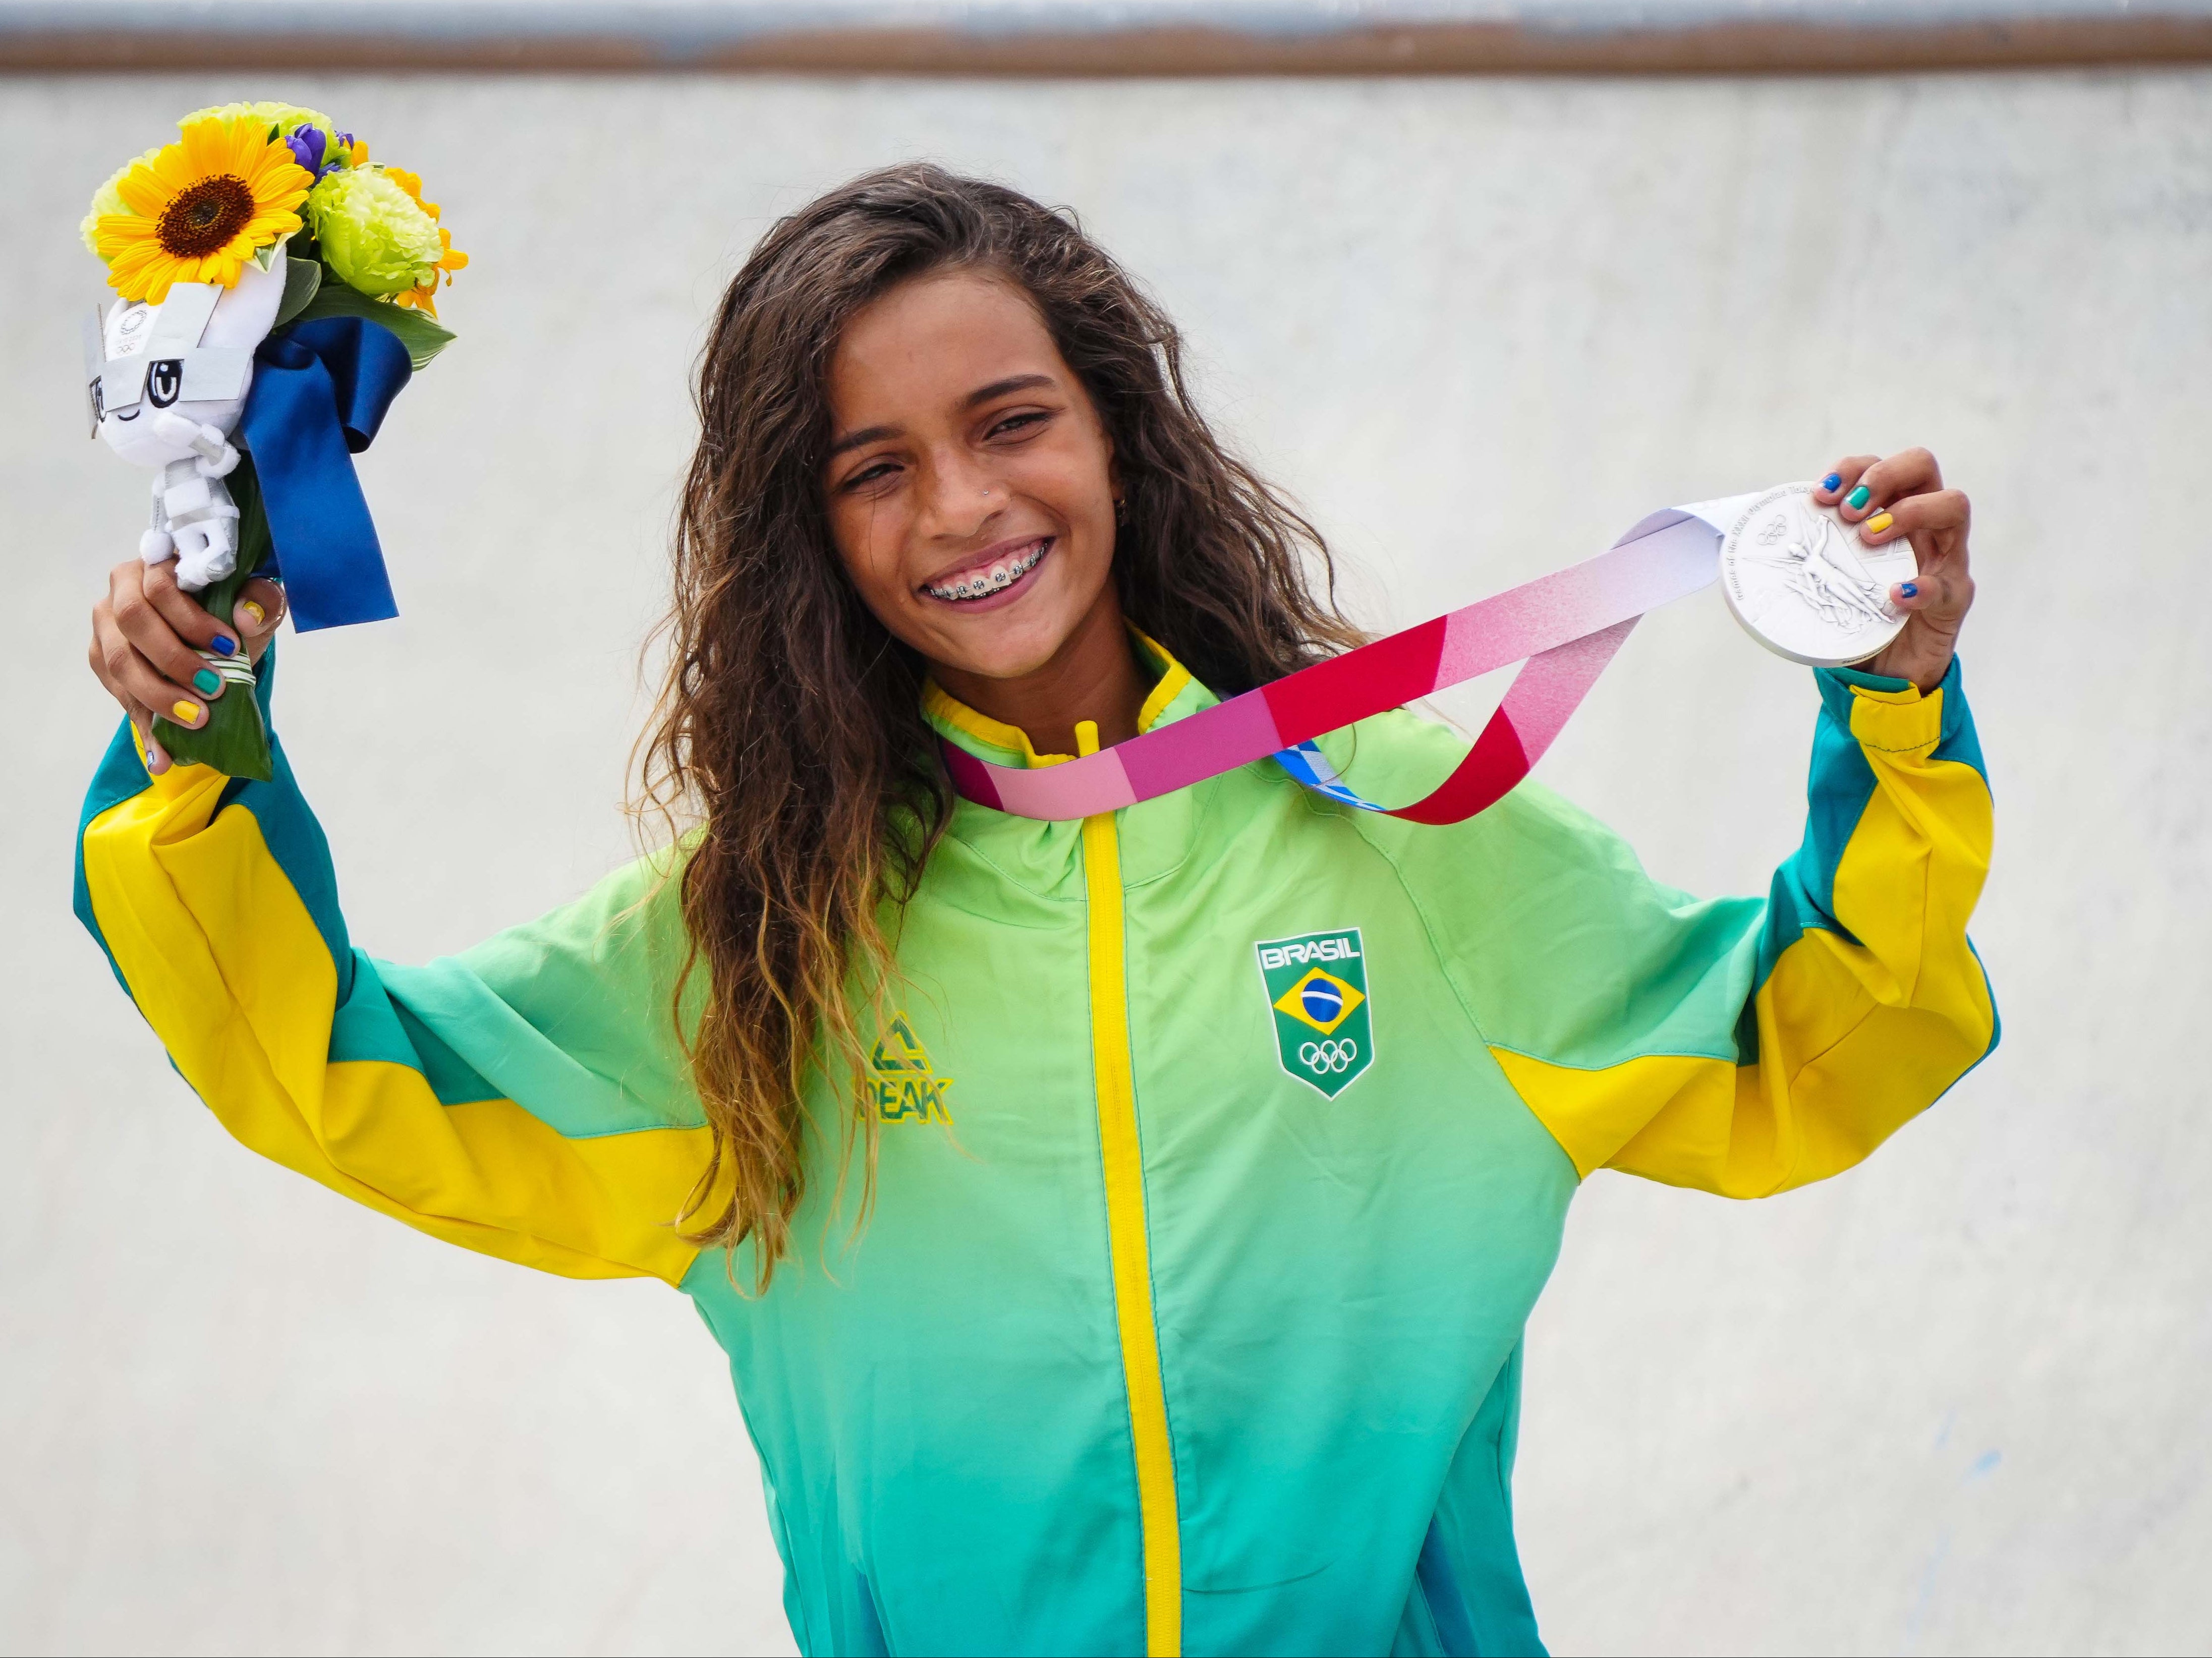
<point>1226,1142</point>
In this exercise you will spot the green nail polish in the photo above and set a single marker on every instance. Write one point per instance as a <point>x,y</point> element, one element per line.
<point>205,682</point>
<point>1858,497</point>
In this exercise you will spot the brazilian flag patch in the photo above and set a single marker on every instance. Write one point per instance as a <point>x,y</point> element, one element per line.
<point>1316,986</point>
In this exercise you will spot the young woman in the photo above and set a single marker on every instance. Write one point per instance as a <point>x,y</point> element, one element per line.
<point>1068,1310</point>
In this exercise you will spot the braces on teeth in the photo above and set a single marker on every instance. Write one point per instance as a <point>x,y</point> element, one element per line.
<point>997,578</point>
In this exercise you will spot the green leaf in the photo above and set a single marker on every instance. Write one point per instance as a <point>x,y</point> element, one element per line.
<point>423,339</point>
<point>301,278</point>
<point>234,741</point>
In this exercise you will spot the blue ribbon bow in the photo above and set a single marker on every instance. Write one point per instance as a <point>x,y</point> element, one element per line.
<point>319,392</point>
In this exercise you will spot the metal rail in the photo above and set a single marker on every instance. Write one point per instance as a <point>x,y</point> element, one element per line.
<point>1088,38</point>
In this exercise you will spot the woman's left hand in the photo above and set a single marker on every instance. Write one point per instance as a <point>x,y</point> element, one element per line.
<point>1903,495</point>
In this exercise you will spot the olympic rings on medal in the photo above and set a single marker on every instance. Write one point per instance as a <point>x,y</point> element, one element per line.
<point>1326,1059</point>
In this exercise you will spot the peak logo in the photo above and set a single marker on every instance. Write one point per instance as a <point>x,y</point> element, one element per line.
<point>904,1088</point>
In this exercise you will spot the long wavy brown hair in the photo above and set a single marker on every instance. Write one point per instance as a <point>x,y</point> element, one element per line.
<point>788,736</point>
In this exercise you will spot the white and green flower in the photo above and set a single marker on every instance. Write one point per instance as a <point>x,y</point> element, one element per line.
<point>377,237</point>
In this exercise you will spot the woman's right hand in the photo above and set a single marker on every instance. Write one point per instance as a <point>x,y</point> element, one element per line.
<point>146,636</point>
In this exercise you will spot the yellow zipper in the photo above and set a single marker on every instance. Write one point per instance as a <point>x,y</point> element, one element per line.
<point>1123,1160</point>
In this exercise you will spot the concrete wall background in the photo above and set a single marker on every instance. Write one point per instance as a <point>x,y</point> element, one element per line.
<point>1952,1403</point>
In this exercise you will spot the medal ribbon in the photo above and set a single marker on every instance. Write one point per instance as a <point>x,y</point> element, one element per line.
<point>1564,627</point>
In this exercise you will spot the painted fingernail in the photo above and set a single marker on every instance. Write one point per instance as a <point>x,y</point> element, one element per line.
<point>1909,589</point>
<point>184,713</point>
<point>206,682</point>
<point>1878,522</point>
<point>1858,497</point>
<point>1833,481</point>
<point>253,611</point>
<point>223,645</point>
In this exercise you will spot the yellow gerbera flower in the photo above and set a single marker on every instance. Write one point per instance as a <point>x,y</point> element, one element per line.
<point>196,211</point>
<point>425,298</point>
<point>412,183</point>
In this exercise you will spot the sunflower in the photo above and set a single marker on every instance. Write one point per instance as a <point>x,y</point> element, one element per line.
<point>108,200</point>
<point>196,211</point>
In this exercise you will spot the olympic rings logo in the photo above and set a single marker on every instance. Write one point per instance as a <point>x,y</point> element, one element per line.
<point>1326,1059</point>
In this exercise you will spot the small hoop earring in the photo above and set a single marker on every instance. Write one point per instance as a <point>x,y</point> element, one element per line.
<point>1121,509</point>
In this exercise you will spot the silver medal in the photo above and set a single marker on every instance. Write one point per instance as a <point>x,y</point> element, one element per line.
<point>1805,586</point>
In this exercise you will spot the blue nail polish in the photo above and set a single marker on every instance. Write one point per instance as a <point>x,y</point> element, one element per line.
<point>205,683</point>
<point>1858,497</point>
<point>223,645</point>
<point>1909,589</point>
<point>1833,481</point>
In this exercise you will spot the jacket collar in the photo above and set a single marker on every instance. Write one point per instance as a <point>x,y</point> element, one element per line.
<point>1044,860</point>
<point>1175,695</point>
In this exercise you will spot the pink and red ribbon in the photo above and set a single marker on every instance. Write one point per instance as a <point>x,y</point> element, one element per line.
<point>1565,626</point>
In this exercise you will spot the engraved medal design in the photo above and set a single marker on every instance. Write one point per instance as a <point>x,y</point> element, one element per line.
<point>1803,584</point>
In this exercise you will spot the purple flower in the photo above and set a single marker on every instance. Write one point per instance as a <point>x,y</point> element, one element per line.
<point>308,145</point>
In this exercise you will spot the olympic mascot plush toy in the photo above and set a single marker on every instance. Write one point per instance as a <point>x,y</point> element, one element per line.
<point>172,385</point>
<point>274,290</point>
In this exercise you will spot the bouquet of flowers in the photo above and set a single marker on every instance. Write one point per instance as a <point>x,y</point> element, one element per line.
<point>275,289</point>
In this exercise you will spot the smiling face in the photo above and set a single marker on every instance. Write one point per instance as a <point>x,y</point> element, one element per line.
<point>970,483</point>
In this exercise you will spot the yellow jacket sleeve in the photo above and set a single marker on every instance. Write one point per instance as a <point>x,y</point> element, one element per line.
<point>527,1099</point>
<point>1741,1046</point>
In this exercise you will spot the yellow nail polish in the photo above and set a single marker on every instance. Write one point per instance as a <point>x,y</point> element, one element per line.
<point>1878,522</point>
<point>254,610</point>
<point>185,712</point>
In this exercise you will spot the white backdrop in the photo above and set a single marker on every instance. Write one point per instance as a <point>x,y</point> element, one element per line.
<point>1952,1402</point>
